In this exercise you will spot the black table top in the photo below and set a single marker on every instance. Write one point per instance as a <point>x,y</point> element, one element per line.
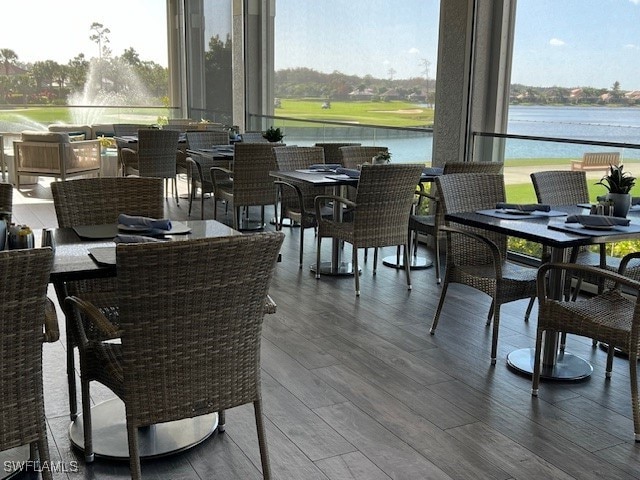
<point>536,228</point>
<point>324,179</point>
<point>71,253</point>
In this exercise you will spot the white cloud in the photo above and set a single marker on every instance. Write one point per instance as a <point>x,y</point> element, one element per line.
<point>637,2</point>
<point>386,62</point>
<point>414,50</point>
<point>631,46</point>
<point>556,42</point>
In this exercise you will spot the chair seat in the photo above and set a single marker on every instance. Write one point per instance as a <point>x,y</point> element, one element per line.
<point>423,223</point>
<point>607,317</point>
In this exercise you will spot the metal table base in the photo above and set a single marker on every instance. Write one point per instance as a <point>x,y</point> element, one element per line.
<point>417,263</point>
<point>344,269</point>
<point>568,367</point>
<point>110,433</point>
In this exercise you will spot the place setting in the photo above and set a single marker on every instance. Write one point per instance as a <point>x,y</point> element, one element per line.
<point>595,225</point>
<point>519,211</point>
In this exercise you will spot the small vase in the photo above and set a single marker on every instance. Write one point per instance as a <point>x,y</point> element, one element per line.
<point>621,203</point>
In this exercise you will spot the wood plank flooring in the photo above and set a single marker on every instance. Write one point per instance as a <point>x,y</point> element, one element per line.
<point>356,388</point>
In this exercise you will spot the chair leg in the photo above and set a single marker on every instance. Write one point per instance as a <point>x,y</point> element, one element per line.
<point>318,256</point>
<point>262,440</point>
<point>563,341</point>
<point>490,314</point>
<point>436,317</point>
<point>407,266</point>
<point>375,260</point>
<point>494,336</point>
<point>301,243</point>
<point>635,402</point>
<point>535,380</point>
<point>221,421</point>
<point>175,187</point>
<point>610,351</point>
<point>71,377</point>
<point>236,218</point>
<point>86,420</point>
<point>134,452</point>
<point>356,274</point>
<point>437,247</point>
<point>202,203</point>
<point>43,451</point>
<point>527,314</point>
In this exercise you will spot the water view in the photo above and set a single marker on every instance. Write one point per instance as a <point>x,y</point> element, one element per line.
<point>606,124</point>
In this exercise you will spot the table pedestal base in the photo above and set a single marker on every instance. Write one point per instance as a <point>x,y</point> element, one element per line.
<point>11,461</point>
<point>417,263</point>
<point>568,367</point>
<point>344,269</point>
<point>110,433</point>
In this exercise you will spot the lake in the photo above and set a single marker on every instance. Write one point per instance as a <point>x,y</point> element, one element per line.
<point>607,124</point>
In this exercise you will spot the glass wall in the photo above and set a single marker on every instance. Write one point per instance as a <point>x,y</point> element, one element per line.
<point>209,60</point>
<point>350,69</point>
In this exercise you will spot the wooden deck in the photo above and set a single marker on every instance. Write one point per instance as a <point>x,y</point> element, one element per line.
<point>356,388</point>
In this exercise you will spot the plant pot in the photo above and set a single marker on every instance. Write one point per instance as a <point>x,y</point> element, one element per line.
<point>379,161</point>
<point>621,203</point>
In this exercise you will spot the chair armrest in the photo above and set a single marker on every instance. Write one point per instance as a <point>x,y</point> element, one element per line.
<point>51,328</point>
<point>191,163</point>
<point>281,183</point>
<point>495,253</point>
<point>583,270</point>
<point>322,198</point>
<point>94,315</point>
<point>228,175</point>
<point>624,263</point>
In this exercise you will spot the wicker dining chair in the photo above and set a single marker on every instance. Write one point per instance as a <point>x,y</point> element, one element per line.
<point>95,201</point>
<point>197,139</point>
<point>610,317</point>
<point>479,258</point>
<point>24,275</point>
<point>355,155</point>
<point>253,137</point>
<point>251,183</point>
<point>200,179</point>
<point>155,156</point>
<point>380,213</point>
<point>194,349</point>
<point>297,200</point>
<point>430,224</point>
<point>206,139</point>
<point>332,153</point>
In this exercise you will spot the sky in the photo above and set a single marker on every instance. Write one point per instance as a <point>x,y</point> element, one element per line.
<point>41,30</point>
<point>565,43</point>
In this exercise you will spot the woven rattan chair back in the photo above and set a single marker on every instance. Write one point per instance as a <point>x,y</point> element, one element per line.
<point>253,137</point>
<point>468,192</point>
<point>206,139</point>
<point>332,153</point>
<point>195,349</point>
<point>157,150</point>
<point>560,187</point>
<point>95,201</point>
<point>6,197</point>
<point>384,198</point>
<point>353,156</point>
<point>24,275</point>
<point>296,158</point>
<point>252,184</point>
<point>127,129</point>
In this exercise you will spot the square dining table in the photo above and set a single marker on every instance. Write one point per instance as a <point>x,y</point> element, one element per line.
<point>551,232</point>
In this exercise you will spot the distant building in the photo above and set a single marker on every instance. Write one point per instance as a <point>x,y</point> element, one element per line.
<point>366,94</point>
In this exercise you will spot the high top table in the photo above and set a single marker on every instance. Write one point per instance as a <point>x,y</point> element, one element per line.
<point>555,365</point>
<point>72,262</point>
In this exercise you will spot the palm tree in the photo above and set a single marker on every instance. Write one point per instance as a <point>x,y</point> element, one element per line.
<point>7,57</point>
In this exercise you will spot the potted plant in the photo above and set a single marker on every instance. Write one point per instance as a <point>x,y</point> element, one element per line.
<point>381,158</point>
<point>273,134</point>
<point>619,184</point>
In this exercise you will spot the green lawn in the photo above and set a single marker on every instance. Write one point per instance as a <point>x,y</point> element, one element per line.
<point>396,113</point>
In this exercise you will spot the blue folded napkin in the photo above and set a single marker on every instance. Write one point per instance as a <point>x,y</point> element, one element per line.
<point>137,221</point>
<point>135,239</point>
<point>349,172</point>
<point>597,220</point>
<point>435,171</point>
<point>530,207</point>
<point>324,166</point>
